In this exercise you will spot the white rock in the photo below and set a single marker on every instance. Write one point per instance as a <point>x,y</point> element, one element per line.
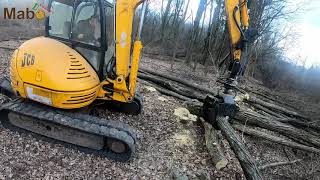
<point>193,117</point>
<point>150,89</point>
<point>162,99</point>
<point>183,114</point>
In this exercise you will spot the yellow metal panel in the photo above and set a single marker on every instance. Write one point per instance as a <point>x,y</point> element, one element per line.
<point>48,63</point>
<point>120,91</point>
<point>64,100</point>
<point>125,10</point>
<point>48,71</point>
<point>134,67</point>
<point>16,81</point>
<point>244,14</point>
<point>237,55</point>
<point>233,29</point>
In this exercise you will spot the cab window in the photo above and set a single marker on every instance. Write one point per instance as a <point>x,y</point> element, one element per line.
<point>109,18</point>
<point>60,23</point>
<point>86,27</point>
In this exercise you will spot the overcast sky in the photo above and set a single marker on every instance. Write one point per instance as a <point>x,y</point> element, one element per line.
<point>308,26</point>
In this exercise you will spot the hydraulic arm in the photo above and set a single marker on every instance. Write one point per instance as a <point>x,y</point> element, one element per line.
<point>240,35</point>
<point>124,85</point>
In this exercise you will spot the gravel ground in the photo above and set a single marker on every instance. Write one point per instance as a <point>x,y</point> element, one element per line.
<point>166,147</point>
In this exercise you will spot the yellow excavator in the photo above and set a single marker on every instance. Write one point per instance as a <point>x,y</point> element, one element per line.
<point>87,56</point>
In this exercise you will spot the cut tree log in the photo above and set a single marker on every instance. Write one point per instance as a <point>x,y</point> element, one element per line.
<point>279,127</point>
<point>295,122</point>
<point>279,164</point>
<point>181,81</point>
<point>221,81</point>
<point>267,110</point>
<point>253,118</point>
<point>245,116</point>
<point>167,92</point>
<point>256,133</point>
<point>188,92</point>
<point>311,128</point>
<point>213,146</point>
<point>252,99</point>
<point>7,48</point>
<point>268,97</point>
<point>248,164</point>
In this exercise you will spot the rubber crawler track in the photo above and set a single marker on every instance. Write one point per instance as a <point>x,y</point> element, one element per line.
<point>83,122</point>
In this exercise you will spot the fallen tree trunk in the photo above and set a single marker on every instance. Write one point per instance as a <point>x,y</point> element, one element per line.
<point>247,163</point>
<point>236,88</point>
<point>270,123</point>
<point>167,92</point>
<point>256,133</point>
<point>267,110</point>
<point>213,146</point>
<point>268,97</point>
<point>311,128</point>
<point>274,107</point>
<point>178,80</point>
<point>300,136</point>
<point>8,48</point>
<point>295,122</point>
<point>255,117</point>
<point>277,126</point>
<point>252,100</point>
<point>279,164</point>
<point>187,92</point>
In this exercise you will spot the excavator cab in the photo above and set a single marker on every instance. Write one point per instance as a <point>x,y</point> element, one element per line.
<point>100,31</point>
<point>86,26</point>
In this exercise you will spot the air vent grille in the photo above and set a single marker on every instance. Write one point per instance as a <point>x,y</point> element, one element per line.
<point>76,69</point>
<point>81,98</point>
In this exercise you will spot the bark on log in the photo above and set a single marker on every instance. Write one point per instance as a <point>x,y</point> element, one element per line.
<point>268,122</point>
<point>247,163</point>
<point>311,128</point>
<point>284,119</point>
<point>190,93</point>
<point>279,164</point>
<point>8,48</point>
<point>274,107</point>
<point>213,146</point>
<point>221,81</point>
<point>253,132</point>
<point>181,81</point>
<point>268,97</point>
<point>209,91</point>
<point>255,117</point>
<point>273,125</point>
<point>267,110</point>
<point>167,92</point>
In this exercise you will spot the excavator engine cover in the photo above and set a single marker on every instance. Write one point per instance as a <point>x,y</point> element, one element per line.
<point>48,71</point>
